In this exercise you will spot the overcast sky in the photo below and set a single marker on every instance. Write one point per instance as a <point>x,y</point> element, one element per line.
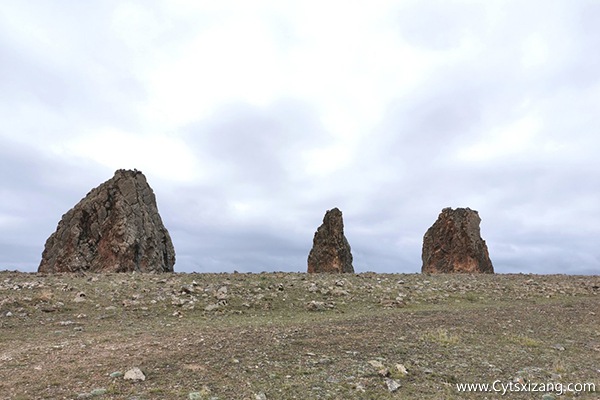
<point>250,119</point>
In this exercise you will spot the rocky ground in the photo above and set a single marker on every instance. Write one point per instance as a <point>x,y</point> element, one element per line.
<point>295,336</point>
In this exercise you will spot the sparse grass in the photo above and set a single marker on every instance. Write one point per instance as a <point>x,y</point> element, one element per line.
<point>266,338</point>
<point>441,336</point>
<point>523,340</point>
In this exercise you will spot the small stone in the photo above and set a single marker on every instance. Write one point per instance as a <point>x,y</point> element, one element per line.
<point>376,364</point>
<point>116,374</point>
<point>222,293</point>
<point>548,396</point>
<point>79,297</point>
<point>9,314</point>
<point>202,394</point>
<point>84,395</point>
<point>260,396</point>
<point>401,369</point>
<point>392,384</point>
<point>98,392</point>
<point>211,307</point>
<point>187,289</point>
<point>315,306</point>
<point>558,347</point>
<point>135,374</point>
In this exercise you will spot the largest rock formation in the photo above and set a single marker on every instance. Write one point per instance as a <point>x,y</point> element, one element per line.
<point>115,228</point>
<point>454,244</point>
<point>331,250</point>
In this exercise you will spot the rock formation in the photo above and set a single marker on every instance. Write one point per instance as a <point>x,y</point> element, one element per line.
<point>330,251</point>
<point>115,228</point>
<point>454,244</point>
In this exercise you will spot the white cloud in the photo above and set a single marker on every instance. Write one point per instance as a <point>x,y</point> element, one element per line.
<point>158,155</point>
<point>246,112</point>
<point>519,138</point>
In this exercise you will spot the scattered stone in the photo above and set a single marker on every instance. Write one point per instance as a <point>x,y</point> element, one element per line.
<point>548,396</point>
<point>79,297</point>
<point>222,293</point>
<point>188,289</point>
<point>260,396</point>
<point>401,369</point>
<point>319,306</point>
<point>454,244</point>
<point>558,347</point>
<point>331,251</point>
<point>98,392</point>
<point>392,385</point>
<point>9,314</point>
<point>115,228</point>
<point>376,364</point>
<point>134,374</point>
<point>211,307</point>
<point>116,374</point>
<point>200,395</point>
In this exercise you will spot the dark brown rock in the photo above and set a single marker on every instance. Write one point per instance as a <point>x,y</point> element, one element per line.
<point>115,228</point>
<point>454,244</point>
<point>330,251</point>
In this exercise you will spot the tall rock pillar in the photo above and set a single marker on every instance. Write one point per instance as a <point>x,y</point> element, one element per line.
<point>330,251</point>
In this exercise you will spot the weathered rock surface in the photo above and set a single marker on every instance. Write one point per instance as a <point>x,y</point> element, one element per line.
<point>331,251</point>
<point>454,244</point>
<point>115,228</point>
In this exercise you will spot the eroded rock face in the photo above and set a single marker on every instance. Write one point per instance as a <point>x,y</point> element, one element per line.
<point>330,251</point>
<point>454,244</point>
<point>115,228</point>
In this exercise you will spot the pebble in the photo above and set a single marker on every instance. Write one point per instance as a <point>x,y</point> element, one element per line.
<point>392,384</point>
<point>260,396</point>
<point>79,297</point>
<point>376,364</point>
<point>135,374</point>
<point>116,374</point>
<point>316,306</point>
<point>98,392</point>
<point>401,369</point>
<point>548,396</point>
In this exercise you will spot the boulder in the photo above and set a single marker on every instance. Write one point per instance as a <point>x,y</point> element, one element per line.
<point>454,244</point>
<point>115,228</point>
<point>330,251</point>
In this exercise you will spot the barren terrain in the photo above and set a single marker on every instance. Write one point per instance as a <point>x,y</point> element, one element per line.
<point>295,336</point>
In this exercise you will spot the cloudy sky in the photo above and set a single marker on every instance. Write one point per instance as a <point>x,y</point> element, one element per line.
<point>250,119</point>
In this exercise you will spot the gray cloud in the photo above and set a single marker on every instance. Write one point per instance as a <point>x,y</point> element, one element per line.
<point>503,121</point>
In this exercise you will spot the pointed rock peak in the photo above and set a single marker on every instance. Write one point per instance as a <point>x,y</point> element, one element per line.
<point>115,228</point>
<point>331,251</point>
<point>454,244</point>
